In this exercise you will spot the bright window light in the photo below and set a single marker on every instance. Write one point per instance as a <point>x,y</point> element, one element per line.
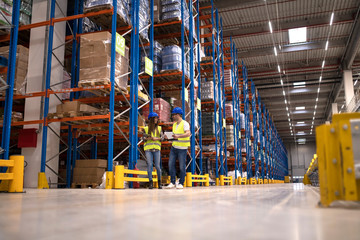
<point>299,84</point>
<point>300,108</point>
<point>297,35</point>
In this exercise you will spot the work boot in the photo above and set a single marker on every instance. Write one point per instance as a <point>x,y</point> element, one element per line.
<point>151,184</point>
<point>159,184</point>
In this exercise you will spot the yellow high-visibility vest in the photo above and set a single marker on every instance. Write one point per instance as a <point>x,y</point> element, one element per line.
<point>150,144</point>
<point>181,142</point>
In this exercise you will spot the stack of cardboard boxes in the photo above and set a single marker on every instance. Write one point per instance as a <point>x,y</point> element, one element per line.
<point>22,58</point>
<point>95,60</point>
<point>89,171</point>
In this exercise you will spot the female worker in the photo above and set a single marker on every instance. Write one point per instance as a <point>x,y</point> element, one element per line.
<point>152,147</point>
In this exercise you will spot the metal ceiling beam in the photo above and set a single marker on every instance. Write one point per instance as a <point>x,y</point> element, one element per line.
<point>221,4</point>
<point>285,26</point>
<point>294,48</point>
<point>353,45</point>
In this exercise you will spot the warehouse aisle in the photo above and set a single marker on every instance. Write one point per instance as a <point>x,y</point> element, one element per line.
<point>281,211</point>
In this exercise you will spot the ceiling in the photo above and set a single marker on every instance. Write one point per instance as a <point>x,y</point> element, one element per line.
<point>247,21</point>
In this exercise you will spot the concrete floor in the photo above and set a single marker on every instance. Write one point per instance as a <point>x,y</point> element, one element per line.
<point>281,211</point>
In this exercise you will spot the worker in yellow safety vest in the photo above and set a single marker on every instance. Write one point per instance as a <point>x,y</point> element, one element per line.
<point>152,147</point>
<point>180,145</point>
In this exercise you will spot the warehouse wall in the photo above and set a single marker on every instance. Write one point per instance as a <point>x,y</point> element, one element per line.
<point>300,157</point>
<point>34,84</point>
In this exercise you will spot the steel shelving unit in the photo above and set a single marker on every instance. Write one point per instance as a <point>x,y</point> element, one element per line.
<point>79,131</point>
<point>9,85</point>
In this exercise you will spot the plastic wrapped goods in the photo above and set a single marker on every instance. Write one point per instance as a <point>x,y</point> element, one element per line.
<point>161,107</point>
<point>207,90</point>
<point>251,129</point>
<point>229,110</point>
<point>228,78</point>
<point>123,7</point>
<point>95,60</point>
<point>208,126</point>
<point>242,121</point>
<point>157,63</point>
<point>172,60</point>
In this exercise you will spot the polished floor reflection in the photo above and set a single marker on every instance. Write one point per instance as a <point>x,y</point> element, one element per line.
<point>281,211</point>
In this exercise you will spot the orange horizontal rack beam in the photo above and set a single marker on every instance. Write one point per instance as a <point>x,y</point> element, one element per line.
<point>82,118</point>
<point>5,38</point>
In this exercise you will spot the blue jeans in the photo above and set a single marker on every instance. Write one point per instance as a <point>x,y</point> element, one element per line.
<point>179,154</point>
<point>150,158</point>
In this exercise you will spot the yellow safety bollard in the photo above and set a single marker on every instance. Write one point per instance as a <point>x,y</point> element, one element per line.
<point>242,181</point>
<point>13,179</point>
<point>109,180</point>
<point>207,183</point>
<point>42,181</point>
<point>119,177</point>
<point>16,185</point>
<point>217,181</point>
<point>222,180</point>
<point>188,179</point>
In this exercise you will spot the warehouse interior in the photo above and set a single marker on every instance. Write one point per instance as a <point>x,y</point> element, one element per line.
<point>267,91</point>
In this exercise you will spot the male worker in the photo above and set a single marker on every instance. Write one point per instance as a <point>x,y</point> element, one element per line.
<point>181,136</point>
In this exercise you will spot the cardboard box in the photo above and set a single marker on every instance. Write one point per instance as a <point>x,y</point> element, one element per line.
<point>22,58</point>
<point>91,163</point>
<point>75,106</point>
<point>68,107</point>
<point>98,172</point>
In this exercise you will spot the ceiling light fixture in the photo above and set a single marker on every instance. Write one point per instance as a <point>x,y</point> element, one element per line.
<point>355,82</point>
<point>326,45</point>
<point>271,30</point>
<point>300,108</point>
<point>318,90</point>
<point>300,122</point>
<point>275,51</point>
<point>283,92</point>
<point>332,19</point>
<point>320,79</point>
<point>279,69</point>
<point>299,84</point>
<point>282,83</point>
<point>317,99</point>
<point>323,64</point>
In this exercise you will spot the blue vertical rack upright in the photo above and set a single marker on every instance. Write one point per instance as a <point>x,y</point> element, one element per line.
<point>235,109</point>
<point>255,128</point>
<point>247,123</point>
<point>198,78</point>
<point>223,99</point>
<point>5,140</point>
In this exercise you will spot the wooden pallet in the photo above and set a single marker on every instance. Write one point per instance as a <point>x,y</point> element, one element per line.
<point>100,91</point>
<point>85,185</point>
